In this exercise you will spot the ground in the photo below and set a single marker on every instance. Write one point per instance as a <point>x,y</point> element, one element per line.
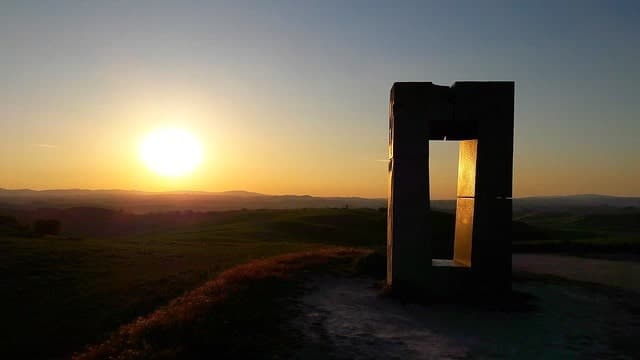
<point>62,293</point>
<point>551,319</point>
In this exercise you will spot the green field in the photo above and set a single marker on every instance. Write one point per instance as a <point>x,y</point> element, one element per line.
<point>63,292</point>
<point>585,234</point>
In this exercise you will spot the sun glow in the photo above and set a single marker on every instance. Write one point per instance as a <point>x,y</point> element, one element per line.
<point>171,152</point>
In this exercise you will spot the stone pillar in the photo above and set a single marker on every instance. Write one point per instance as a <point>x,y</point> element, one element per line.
<point>465,202</point>
<point>409,229</point>
<point>490,106</point>
<point>480,115</point>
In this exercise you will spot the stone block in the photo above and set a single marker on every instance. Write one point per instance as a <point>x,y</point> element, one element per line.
<point>462,246</point>
<point>480,114</point>
<point>467,168</point>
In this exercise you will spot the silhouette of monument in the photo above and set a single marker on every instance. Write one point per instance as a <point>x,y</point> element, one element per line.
<point>480,116</point>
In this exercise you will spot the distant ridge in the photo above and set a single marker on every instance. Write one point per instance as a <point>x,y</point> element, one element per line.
<point>144,201</point>
<point>4,191</point>
<point>581,196</point>
<point>581,200</point>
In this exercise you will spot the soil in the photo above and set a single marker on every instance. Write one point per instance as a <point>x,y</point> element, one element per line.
<point>349,318</point>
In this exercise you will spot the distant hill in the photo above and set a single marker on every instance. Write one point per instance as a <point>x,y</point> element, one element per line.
<point>146,202</point>
<point>582,204</point>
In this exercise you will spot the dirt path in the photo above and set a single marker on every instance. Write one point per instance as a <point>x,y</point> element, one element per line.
<point>619,274</point>
<point>346,318</point>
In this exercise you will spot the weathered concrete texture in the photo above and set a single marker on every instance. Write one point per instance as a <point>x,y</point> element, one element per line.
<point>467,168</point>
<point>480,114</point>
<point>408,248</point>
<point>465,208</point>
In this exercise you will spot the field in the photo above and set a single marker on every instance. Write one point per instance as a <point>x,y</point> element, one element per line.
<point>612,234</point>
<point>63,292</point>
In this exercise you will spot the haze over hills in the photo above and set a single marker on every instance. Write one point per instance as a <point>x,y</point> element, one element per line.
<point>145,202</point>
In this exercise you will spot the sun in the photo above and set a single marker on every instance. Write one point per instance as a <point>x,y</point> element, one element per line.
<point>171,152</point>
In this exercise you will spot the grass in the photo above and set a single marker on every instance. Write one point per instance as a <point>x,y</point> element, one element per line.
<point>624,222</point>
<point>234,315</point>
<point>62,293</point>
<point>593,234</point>
<point>629,245</point>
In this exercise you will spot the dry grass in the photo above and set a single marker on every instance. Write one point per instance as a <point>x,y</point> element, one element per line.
<point>169,331</point>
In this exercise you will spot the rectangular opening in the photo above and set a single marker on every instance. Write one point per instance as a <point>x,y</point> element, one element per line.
<point>452,171</point>
<point>443,173</point>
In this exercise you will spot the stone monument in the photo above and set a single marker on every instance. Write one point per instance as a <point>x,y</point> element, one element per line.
<point>480,116</point>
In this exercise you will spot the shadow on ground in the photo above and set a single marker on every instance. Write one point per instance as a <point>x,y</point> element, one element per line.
<point>346,318</point>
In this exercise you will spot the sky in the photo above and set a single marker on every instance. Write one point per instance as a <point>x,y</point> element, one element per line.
<point>291,97</point>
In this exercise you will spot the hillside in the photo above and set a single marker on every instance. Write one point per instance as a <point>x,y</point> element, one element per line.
<point>140,202</point>
<point>145,202</point>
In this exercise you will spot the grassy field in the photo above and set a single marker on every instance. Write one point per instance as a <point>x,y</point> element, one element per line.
<point>591,234</point>
<point>244,313</point>
<point>60,293</point>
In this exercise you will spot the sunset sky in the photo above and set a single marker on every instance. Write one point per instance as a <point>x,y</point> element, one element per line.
<point>291,97</point>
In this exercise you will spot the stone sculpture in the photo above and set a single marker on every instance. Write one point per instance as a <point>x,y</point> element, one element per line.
<point>481,116</point>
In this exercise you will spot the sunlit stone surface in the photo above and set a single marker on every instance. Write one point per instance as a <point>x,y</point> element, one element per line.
<point>480,116</point>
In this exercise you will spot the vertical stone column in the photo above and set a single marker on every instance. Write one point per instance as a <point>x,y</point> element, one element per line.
<point>409,228</point>
<point>490,105</point>
<point>465,202</point>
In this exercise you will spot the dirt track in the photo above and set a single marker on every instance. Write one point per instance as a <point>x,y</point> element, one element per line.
<point>346,318</point>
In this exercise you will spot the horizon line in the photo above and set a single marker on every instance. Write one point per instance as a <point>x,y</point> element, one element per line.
<point>208,192</point>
